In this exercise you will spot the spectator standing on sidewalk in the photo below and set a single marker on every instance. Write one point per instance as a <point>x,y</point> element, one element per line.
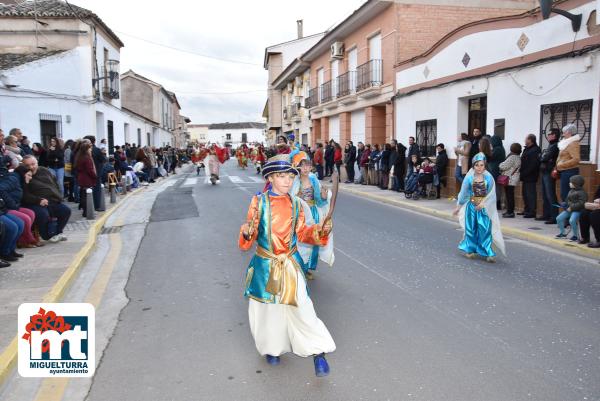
<point>392,163</point>
<point>462,151</point>
<point>413,149</point>
<point>318,160</point>
<point>329,156</point>
<point>530,171</point>
<point>590,217</point>
<point>547,165</point>
<point>99,159</point>
<point>56,163</point>
<point>511,168</point>
<point>384,163</point>
<point>26,146</point>
<point>498,156</point>
<point>337,158</point>
<point>374,165</point>
<point>69,170</point>
<point>441,164</point>
<point>364,165</point>
<point>86,173</point>
<point>399,166</point>
<point>40,154</point>
<point>43,197</point>
<point>359,151</point>
<point>569,157</point>
<point>474,145</point>
<point>349,160</point>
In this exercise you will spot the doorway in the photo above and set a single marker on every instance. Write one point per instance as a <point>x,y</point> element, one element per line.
<point>48,131</point>
<point>477,115</point>
<point>111,137</point>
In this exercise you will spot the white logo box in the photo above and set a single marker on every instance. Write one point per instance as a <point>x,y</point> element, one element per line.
<point>78,363</point>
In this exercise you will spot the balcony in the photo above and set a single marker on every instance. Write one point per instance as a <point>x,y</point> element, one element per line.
<point>313,98</point>
<point>327,92</point>
<point>346,84</point>
<point>369,75</point>
<point>110,75</point>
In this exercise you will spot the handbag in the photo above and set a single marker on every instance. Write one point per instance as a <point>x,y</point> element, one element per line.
<point>503,180</point>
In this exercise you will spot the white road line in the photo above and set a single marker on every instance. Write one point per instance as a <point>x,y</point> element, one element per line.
<point>190,181</point>
<point>169,183</point>
<point>257,179</point>
<point>207,180</point>
<point>235,179</point>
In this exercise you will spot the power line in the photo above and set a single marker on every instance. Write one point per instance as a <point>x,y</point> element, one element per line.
<point>188,51</point>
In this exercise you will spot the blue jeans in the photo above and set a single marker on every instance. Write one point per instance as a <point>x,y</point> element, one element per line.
<point>59,211</point>
<point>549,193</point>
<point>564,182</point>
<point>59,174</point>
<point>573,218</point>
<point>13,228</point>
<point>458,174</point>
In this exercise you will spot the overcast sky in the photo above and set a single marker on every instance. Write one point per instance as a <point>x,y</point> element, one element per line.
<point>236,30</point>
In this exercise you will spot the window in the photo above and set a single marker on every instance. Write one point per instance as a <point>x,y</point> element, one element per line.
<point>228,137</point>
<point>499,127</point>
<point>426,137</point>
<point>558,115</point>
<point>139,137</point>
<point>244,137</point>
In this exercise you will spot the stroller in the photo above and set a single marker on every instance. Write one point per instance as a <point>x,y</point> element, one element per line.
<point>411,186</point>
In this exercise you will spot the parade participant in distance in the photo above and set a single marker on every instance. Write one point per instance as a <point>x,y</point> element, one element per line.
<point>198,159</point>
<point>242,157</point>
<point>476,208</point>
<point>282,145</point>
<point>315,202</point>
<point>282,316</point>
<point>260,158</point>
<point>216,156</point>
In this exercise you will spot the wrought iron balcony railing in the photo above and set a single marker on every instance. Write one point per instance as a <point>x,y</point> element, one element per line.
<point>313,98</point>
<point>346,84</point>
<point>369,74</point>
<point>326,92</point>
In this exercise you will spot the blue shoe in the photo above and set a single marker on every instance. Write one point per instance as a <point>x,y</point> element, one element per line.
<point>321,366</point>
<point>273,360</point>
<point>574,239</point>
<point>561,236</point>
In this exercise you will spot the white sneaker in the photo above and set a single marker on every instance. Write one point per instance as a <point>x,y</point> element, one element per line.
<point>62,237</point>
<point>54,239</point>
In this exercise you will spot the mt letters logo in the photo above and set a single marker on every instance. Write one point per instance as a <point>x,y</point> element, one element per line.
<point>57,340</point>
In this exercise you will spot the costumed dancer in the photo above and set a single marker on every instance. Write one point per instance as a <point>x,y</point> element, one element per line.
<point>477,213</point>
<point>315,200</point>
<point>216,156</point>
<point>281,314</point>
<point>198,159</point>
<point>260,158</point>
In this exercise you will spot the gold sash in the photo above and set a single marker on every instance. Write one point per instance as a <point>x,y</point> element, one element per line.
<point>283,278</point>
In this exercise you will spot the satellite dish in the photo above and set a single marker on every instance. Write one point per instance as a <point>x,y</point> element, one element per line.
<point>546,7</point>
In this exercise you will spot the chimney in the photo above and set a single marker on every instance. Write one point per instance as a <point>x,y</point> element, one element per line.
<point>299,24</point>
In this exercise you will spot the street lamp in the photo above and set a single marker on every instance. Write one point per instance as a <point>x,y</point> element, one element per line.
<point>546,7</point>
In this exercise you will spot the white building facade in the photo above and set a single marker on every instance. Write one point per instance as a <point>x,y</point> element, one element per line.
<point>535,77</point>
<point>235,134</point>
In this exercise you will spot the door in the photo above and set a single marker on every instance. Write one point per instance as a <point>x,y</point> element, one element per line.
<point>139,137</point>
<point>48,131</point>
<point>335,71</point>
<point>375,59</point>
<point>111,137</point>
<point>357,126</point>
<point>334,128</point>
<point>352,65</point>
<point>478,115</point>
<point>320,77</point>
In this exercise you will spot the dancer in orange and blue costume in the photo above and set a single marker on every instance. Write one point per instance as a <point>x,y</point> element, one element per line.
<point>281,313</point>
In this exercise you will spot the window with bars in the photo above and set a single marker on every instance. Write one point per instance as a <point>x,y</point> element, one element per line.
<point>558,115</point>
<point>426,137</point>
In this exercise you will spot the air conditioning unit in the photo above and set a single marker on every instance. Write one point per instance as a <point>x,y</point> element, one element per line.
<point>337,50</point>
<point>290,87</point>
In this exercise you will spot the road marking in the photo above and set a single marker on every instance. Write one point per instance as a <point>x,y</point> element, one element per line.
<point>235,179</point>
<point>190,181</point>
<point>53,389</point>
<point>257,179</point>
<point>170,183</point>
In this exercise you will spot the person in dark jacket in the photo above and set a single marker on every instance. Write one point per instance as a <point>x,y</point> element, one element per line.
<point>530,170</point>
<point>359,151</point>
<point>399,166</point>
<point>99,160</point>
<point>40,154</point>
<point>43,197</point>
<point>574,205</point>
<point>329,156</point>
<point>55,157</point>
<point>384,163</point>
<point>498,156</point>
<point>392,163</point>
<point>11,190</point>
<point>86,173</point>
<point>441,164</point>
<point>364,165</point>
<point>474,145</point>
<point>413,149</point>
<point>547,165</point>
<point>590,217</point>
<point>349,160</point>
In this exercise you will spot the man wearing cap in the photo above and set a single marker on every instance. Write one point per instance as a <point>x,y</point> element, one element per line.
<point>281,314</point>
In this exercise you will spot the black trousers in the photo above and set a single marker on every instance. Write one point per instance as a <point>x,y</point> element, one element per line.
<point>587,219</point>
<point>530,197</point>
<point>328,168</point>
<point>510,199</point>
<point>350,171</point>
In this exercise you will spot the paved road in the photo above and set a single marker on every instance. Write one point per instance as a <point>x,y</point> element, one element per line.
<point>412,319</point>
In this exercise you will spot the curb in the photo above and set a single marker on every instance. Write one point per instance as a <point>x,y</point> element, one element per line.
<point>8,357</point>
<point>514,232</point>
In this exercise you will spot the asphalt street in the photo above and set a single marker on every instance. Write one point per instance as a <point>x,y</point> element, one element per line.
<point>411,317</point>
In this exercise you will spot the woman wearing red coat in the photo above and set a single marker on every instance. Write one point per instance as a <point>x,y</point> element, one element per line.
<point>337,159</point>
<point>86,172</point>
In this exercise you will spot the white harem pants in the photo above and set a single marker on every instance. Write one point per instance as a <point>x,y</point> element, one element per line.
<point>279,328</point>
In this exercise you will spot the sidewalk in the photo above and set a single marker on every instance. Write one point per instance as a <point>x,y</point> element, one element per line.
<point>525,229</point>
<point>44,274</point>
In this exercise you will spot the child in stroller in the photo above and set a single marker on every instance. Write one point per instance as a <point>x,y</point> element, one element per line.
<point>412,178</point>
<point>426,179</point>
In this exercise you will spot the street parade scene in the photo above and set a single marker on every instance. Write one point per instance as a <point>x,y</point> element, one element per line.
<point>364,200</point>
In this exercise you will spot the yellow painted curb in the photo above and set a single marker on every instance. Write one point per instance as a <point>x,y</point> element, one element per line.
<point>515,232</point>
<point>8,358</point>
